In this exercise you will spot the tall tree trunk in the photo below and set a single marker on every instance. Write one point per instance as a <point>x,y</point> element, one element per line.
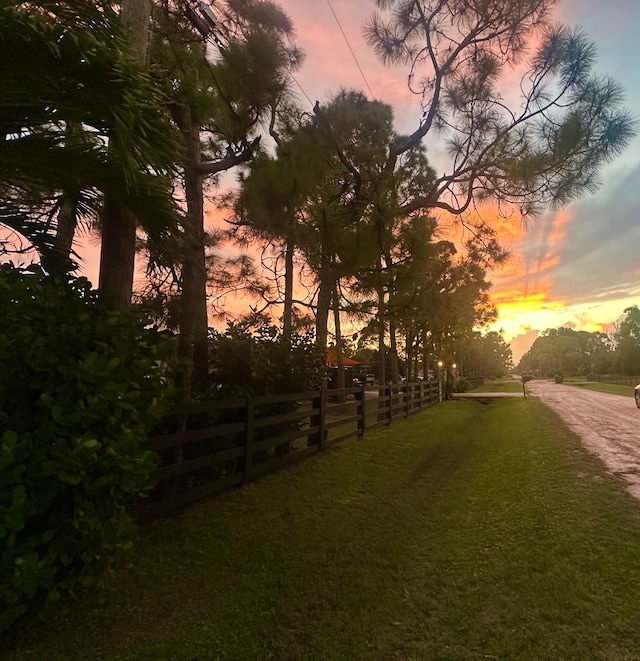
<point>118,248</point>
<point>322,310</point>
<point>56,260</point>
<point>67,223</point>
<point>193,315</point>
<point>341,381</point>
<point>382,367</point>
<point>425,355</point>
<point>393,350</point>
<point>408,355</point>
<point>393,344</point>
<point>136,17</point>
<point>287,314</point>
<point>117,253</point>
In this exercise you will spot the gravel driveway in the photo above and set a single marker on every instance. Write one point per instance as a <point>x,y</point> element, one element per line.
<point>609,425</point>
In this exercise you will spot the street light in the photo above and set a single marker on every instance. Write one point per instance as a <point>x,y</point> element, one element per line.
<point>441,374</point>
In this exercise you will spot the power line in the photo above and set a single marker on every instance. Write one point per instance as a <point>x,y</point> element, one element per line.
<point>295,80</point>
<point>355,59</point>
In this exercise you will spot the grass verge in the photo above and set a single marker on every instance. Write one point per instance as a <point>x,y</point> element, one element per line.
<point>500,385</point>
<point>611,388</point>
<point>468,531</point>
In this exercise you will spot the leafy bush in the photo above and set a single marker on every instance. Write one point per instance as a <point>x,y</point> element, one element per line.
<point>461,385</point>
<point>250,358</point>
<point>79,389</point>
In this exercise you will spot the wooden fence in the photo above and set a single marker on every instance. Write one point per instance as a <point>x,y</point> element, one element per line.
<point>474,381</point>
<point>616,379</point>
<point>218,444</point>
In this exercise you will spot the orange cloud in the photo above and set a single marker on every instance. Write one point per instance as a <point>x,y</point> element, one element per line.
<point>541,245</point>
<point>508,227</point>
<point>560,222</point>
<point>515,301</point>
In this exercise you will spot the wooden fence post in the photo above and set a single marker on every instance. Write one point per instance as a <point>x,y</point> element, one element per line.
<point>407,399</point>
<point>315,421</point>
<point>322,433</point>
<point>319,420</point>
<point>362,422</point>
<point>248,439</point>
<point>174,485</point>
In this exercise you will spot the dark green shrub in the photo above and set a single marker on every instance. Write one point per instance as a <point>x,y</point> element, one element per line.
<point>250,358</point>
<point>461,385</point>
<point>79,389</point>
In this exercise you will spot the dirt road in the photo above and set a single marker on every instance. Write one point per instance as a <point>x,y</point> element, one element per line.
<point>609,425</point>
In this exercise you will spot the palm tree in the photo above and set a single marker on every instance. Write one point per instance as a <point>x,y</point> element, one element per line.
<point>79,119</point>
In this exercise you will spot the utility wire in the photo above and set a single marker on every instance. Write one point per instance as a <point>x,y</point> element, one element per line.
<point>355,59</point>
<point>295,80</point>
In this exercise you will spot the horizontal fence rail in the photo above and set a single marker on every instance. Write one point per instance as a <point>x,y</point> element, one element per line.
<point>474,381</point>
<point>211,446</point>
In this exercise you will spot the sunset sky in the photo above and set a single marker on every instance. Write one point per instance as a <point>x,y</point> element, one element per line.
<point>575,267</point>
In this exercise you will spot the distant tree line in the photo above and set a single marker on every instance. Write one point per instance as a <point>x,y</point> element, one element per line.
<point>569,352</point>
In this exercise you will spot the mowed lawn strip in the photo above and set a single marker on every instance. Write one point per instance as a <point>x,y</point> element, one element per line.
<point>499,385</point>
<point>611,388</point>
<point>468,531</point>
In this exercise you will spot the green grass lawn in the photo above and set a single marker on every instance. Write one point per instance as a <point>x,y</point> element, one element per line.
<point>500,385</point>
<point>603,387</point>
<point>468,531</point>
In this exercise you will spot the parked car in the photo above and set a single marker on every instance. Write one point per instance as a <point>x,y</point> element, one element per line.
<point>350,380</point>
